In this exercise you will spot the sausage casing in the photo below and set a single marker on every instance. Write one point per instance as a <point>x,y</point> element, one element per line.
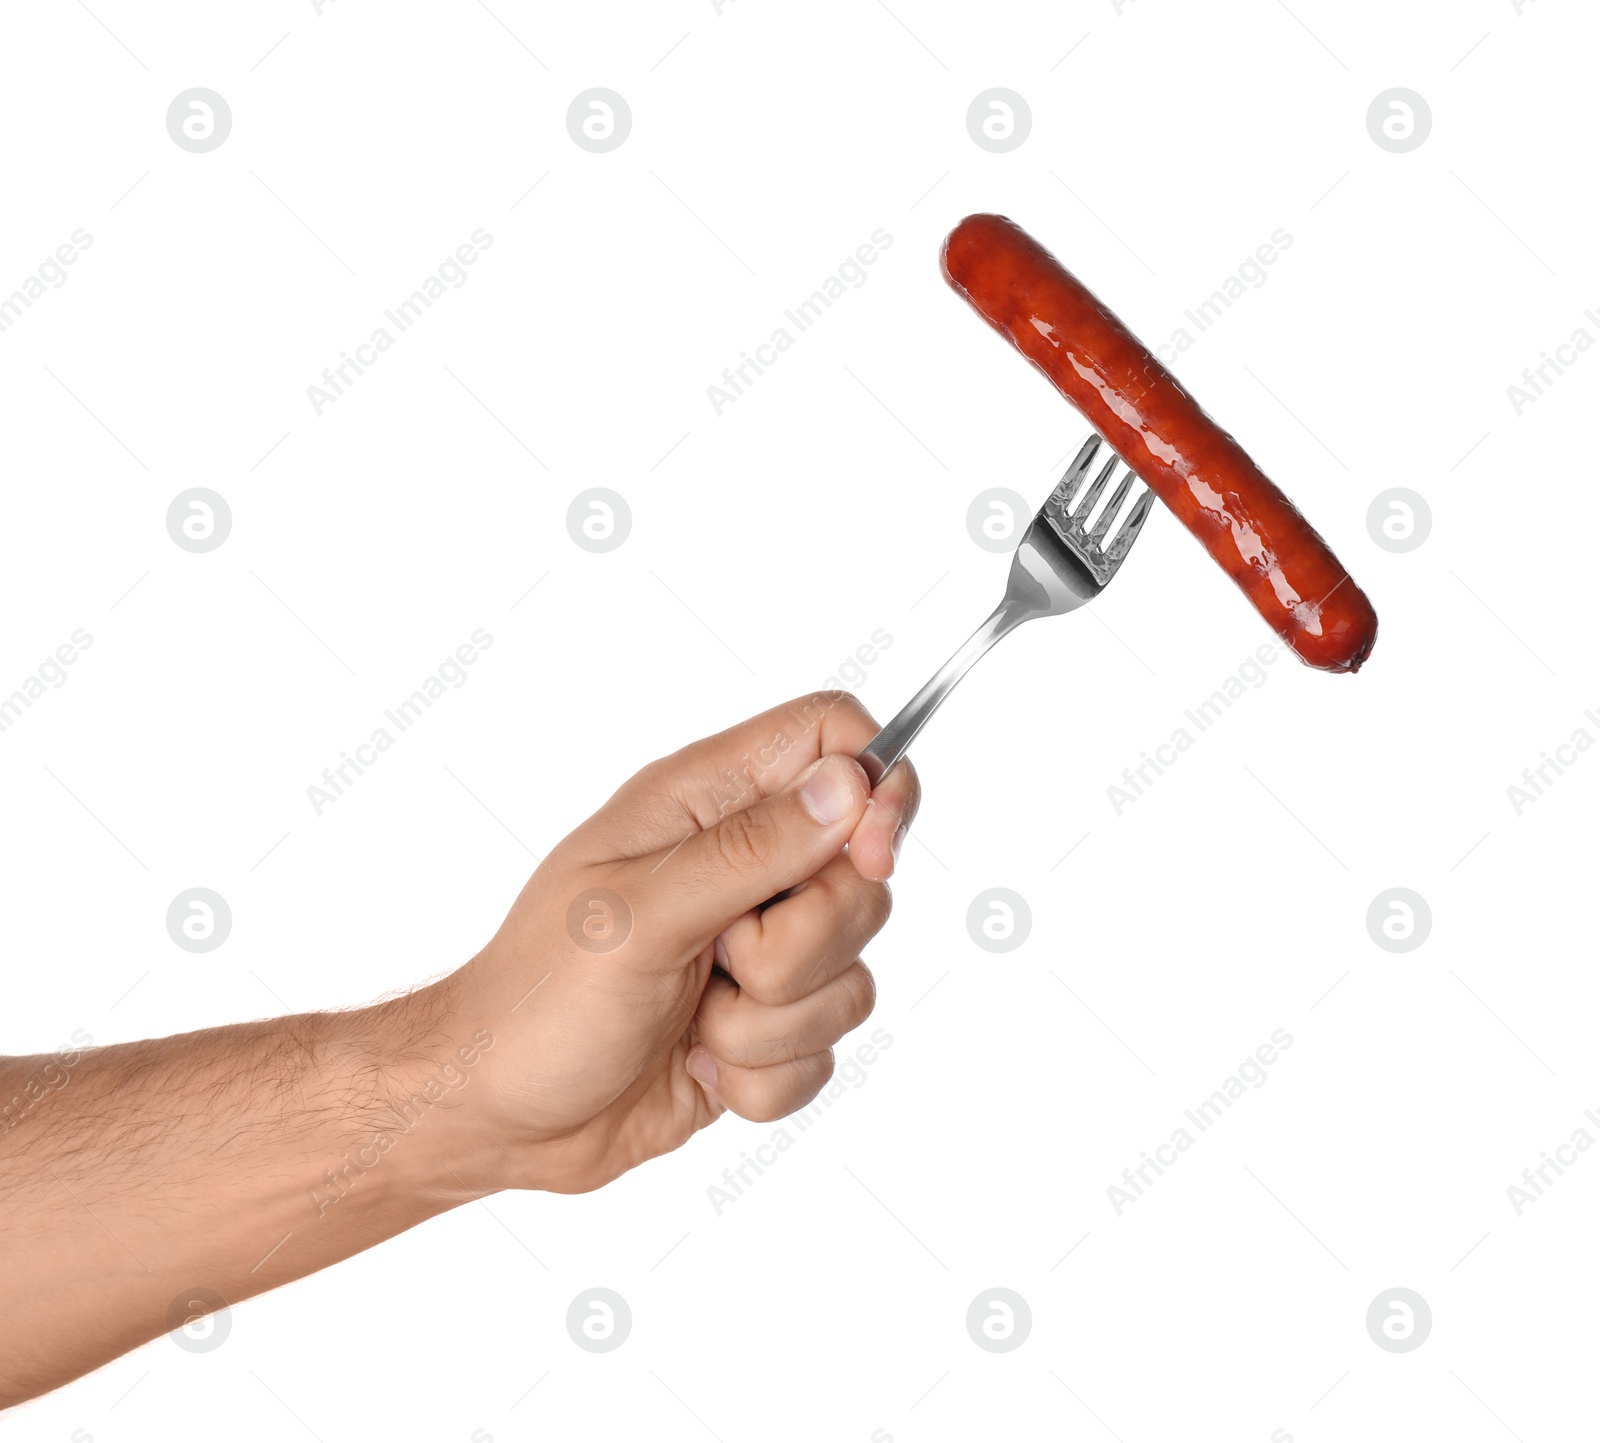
<point>1252,530</point>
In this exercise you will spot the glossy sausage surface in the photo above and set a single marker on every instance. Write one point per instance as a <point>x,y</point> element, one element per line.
<point>1202,474</point>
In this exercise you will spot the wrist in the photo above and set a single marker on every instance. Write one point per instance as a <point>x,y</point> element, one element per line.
<point>410,1071</point>
<point>460,1100</point>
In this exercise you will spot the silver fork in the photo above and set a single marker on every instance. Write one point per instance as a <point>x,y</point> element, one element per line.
<point>1060,565</point>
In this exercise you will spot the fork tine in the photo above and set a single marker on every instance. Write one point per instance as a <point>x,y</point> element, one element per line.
<point>1085,509</point>
<point>1113,506</point>
<point>1068,486</point>
<point>1129,532</point>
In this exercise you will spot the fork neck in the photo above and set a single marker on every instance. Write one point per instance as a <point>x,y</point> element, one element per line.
<point>1003,620</point>
<point>892,742</point>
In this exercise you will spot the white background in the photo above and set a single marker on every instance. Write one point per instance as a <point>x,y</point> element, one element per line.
<point>767,544</point>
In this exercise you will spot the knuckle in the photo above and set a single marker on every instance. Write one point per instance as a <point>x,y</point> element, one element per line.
<point>657,775</point>
<point>845,707</point>
<point>761,1112</point>
<point>782,1096</point>
<point>857,904</point>
<point>824,888</point>
<point>744,844</point>
<point>850,703</point>
<point>863,996</point>
<point>796,985</point>
<point>877,902</point>
<point>778,976</point>
<point>761,1103</point>
<point>816,1078</point>
<point>835,699</point>
<point>765,980</point>
<point>755,1045</point>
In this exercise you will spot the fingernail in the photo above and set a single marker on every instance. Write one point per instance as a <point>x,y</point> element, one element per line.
<point>829,793</point>
<point>701,1066</point>
<point>719,953</point>
<point>899,838</point>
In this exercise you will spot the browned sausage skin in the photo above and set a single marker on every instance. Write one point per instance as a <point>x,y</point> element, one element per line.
<point>1202,474</point>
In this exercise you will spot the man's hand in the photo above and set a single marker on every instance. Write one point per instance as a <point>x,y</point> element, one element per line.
<point>645,980</point>
<point>693,947</point>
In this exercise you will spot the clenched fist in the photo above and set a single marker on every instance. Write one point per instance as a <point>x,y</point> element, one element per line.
<point>694,946</point>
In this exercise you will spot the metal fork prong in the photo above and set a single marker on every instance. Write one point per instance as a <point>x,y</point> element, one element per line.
<point>1113,506</point>
<point>1085,509</point>
<point>1068,486</point>
<point>1129,531</point>
<point>1057,568</point>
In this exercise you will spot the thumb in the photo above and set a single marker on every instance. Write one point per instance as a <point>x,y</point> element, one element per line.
<point>714,876</point>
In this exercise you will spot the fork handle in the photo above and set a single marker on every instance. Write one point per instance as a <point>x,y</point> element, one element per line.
<point>892,742</point>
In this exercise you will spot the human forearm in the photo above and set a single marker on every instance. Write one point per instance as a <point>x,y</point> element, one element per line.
<point>643,982</point>
<point>229,1160</point>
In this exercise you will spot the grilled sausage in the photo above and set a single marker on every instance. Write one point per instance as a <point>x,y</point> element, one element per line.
<point>1203,475</point>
